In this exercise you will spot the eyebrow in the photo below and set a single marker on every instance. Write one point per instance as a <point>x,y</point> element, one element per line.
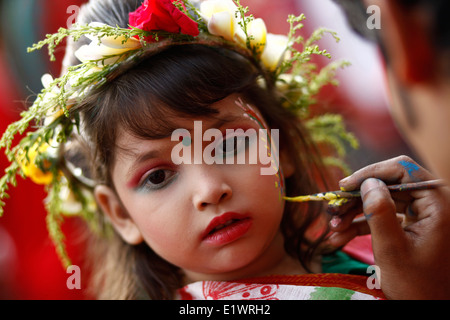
<point>132,175</point>
<point>146,156</point>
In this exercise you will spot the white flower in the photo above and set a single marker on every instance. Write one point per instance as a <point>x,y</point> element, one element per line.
<point>70,206</point>
<point>223,17</point>
<point>46,80</point>
<point>220,16</point>
<point>49,98</point>
<point>107,46</point>
<point>51,95</point>
<point>287,80</point>
<point>275,51</point>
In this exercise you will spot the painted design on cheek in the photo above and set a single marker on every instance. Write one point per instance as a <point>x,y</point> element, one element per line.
<point>411,168</point>
<point>249,112</point>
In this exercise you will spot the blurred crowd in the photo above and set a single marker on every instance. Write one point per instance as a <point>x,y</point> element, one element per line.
<point>29,266</point>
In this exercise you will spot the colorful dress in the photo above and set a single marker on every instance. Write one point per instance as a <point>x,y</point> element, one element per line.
<point>323,286</point>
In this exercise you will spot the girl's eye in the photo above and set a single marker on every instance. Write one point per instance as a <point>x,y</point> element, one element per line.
<point>233,145</point>
<point>157,179</point>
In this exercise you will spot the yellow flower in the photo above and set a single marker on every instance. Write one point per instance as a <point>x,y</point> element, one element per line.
<point>275,51</point>
<point>30,169</point>
<point>107,46</point>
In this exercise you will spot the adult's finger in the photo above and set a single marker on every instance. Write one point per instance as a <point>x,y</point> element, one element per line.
<point>380,212</point>
<point>396,170</point>
<point>342,236</point>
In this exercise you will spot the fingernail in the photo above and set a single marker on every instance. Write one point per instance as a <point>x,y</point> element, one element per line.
<point>344,181</point>
<point>341,187</point>
<point>345,184</point>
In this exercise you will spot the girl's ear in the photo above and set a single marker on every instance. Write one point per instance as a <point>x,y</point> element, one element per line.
<point>286,164</point>
<point>120,219</point>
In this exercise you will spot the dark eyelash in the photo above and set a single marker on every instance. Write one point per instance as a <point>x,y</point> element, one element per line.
<point>146,186</point>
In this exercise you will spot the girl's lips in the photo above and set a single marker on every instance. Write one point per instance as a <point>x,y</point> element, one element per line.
<point>226,228</point>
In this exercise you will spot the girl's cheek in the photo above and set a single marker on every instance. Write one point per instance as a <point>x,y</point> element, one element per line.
<point>157,234</point>
<point>162,220</point>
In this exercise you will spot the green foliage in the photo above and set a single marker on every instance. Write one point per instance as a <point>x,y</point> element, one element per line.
<point>301,81</point>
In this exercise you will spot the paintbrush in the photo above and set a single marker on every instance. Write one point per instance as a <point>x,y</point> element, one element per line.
<point>335,196</point>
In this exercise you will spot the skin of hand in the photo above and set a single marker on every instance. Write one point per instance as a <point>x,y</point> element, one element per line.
<point>410,230</point>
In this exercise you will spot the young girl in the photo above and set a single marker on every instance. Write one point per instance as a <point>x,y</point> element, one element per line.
<point>193,228</point>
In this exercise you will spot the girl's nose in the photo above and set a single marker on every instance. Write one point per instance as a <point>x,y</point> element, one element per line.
<point>209,187</point>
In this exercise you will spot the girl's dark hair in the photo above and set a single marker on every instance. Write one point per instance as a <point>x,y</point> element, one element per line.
<point>184,80</point>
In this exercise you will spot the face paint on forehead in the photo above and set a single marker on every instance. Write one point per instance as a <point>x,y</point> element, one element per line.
<point>251,113</point>
<point>255,116</point>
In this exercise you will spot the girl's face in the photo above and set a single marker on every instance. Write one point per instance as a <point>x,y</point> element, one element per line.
<point>214,221</point>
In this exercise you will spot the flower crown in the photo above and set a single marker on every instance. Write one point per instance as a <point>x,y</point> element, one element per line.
<point>155,25</point>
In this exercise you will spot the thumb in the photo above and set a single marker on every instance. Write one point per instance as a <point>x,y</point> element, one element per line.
<point>380,212</point>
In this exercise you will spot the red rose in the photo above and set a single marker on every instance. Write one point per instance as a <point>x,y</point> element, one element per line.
<point>162,15</point>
